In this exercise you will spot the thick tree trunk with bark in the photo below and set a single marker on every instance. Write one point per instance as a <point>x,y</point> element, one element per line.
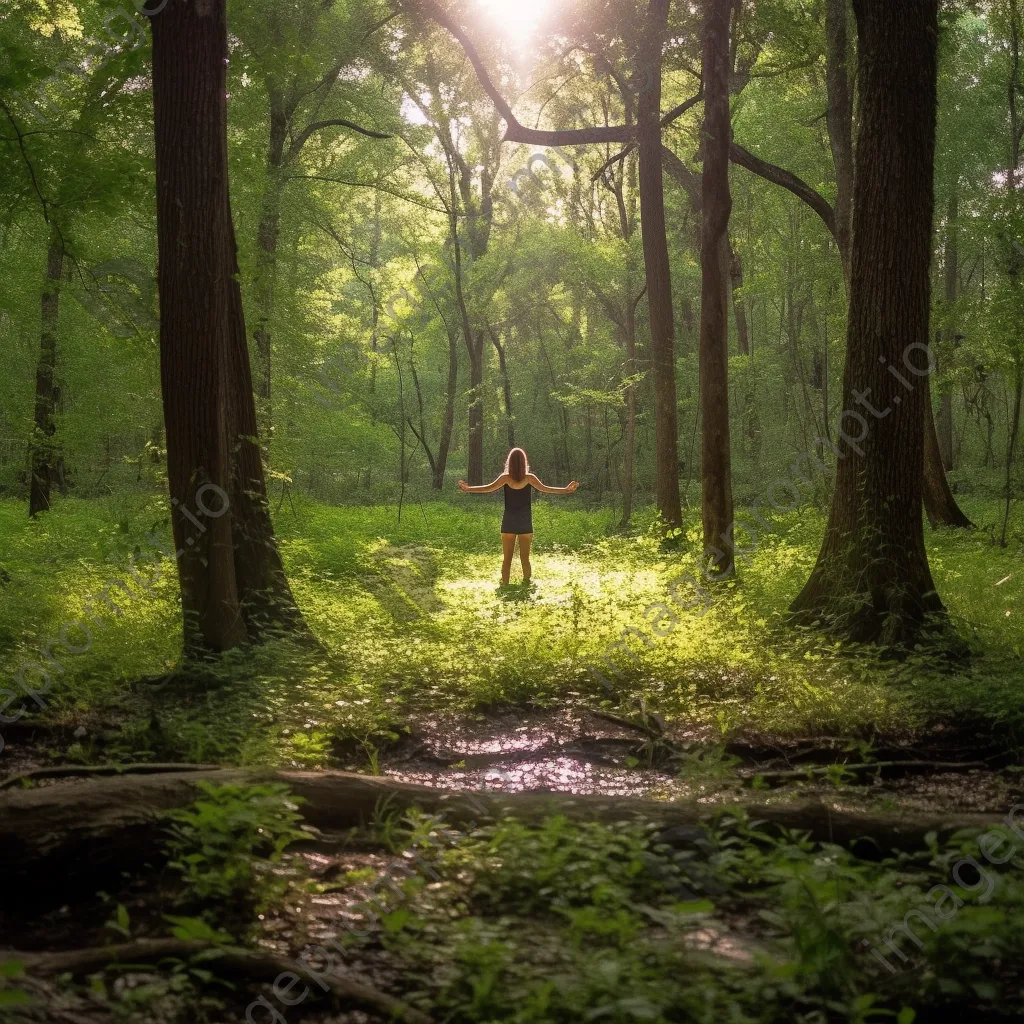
<point>659,282</point>
<point>872,581</point>
<point>232,580</point>
<point>939,503</point>
<point>716,460</point>
<point>42,454</point>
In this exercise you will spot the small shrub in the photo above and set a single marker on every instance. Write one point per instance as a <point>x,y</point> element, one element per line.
<point>225,844</point>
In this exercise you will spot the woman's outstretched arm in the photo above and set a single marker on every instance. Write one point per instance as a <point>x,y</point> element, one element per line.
<point>544,489</point>
<point>495,485</point>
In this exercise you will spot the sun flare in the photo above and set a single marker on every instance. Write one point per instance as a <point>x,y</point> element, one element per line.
<point>516,19</point>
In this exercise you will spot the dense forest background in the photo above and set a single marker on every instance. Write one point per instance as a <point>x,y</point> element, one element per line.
<point>276,276</point>
<point>376,340</point>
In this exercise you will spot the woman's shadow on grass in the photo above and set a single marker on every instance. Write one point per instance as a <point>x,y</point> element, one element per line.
<point>516,592</point>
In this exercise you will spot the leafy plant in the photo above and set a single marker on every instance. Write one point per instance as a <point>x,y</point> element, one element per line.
<point>226,843</point>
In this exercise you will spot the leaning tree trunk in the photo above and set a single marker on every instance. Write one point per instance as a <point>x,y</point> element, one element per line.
<point>659,282</point>
<point>41,454</point>
<point>716,467</point>
<point>232,582</point>
<point>872,581</point>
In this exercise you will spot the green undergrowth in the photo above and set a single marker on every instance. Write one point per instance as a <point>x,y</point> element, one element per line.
<point>525,923</point>
<point>560,921</point>
<point>415,624</point>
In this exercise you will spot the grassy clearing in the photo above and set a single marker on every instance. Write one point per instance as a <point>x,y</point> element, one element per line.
<point>412,615</point>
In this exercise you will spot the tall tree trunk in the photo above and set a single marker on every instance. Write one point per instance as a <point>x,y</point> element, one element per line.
<point>1011,451</point>
<point>1016,262</point>
<point>232,581</point>
<point>659,282</point>
<point>738,302</point>
<point>268,233</point>
<point>630,432</point>
<point>506,387</point>
<point>716,462</point>
<point>444,442</point>
<point>42,454</point>
<point>939,503</point>
<point>840,122</point>
<point>872,581</point>
<point>475,469</point>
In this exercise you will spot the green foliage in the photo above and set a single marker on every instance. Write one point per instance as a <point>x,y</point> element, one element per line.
<point>226,845</point>
<point>560,867</point>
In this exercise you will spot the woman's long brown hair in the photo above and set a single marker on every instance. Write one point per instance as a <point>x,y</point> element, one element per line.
<point>516,465</point>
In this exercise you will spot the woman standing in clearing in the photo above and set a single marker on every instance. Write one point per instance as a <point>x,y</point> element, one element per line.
<point>517,522</point>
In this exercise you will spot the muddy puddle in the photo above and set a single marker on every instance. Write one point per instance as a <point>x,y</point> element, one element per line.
<point>578,751</point>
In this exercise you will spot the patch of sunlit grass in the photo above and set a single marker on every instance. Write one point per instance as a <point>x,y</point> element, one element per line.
<point>413,617</point>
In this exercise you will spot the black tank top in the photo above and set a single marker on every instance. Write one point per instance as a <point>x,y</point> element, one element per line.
<point>518,516</point>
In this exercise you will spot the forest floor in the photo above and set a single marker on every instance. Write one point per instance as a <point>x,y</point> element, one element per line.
<point>436,677</point>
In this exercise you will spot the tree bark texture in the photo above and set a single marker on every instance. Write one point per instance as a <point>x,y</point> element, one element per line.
<point>872,581</point>
<point>232,580</point>
<point>659,283</point>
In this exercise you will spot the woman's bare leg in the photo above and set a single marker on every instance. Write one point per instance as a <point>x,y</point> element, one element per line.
<point>525,540</point>
<point>508,547</point>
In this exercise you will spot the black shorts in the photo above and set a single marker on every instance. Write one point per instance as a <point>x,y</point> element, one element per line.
<point>517,522</point>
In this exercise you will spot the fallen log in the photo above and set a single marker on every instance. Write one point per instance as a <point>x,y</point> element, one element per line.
<point>884,769</point>
<point>70,771</point>
<point>259,966</point>
<point>60,835</point>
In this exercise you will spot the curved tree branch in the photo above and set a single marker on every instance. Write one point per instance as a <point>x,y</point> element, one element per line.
<point>789,181</point>
<point>339,122</point>
<point>514,130</point>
